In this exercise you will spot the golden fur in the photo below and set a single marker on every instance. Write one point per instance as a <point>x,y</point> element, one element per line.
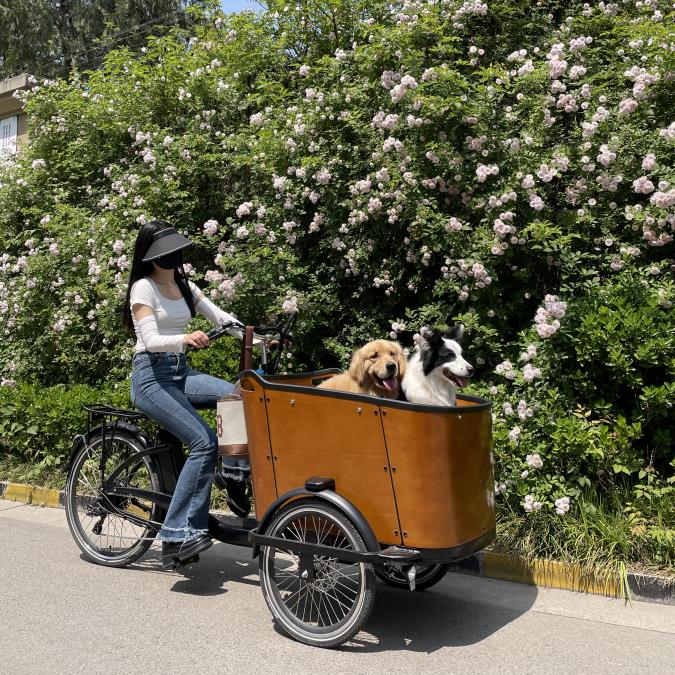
<point>368,370</point>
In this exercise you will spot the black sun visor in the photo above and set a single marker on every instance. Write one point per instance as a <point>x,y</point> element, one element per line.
<point>164,242</point>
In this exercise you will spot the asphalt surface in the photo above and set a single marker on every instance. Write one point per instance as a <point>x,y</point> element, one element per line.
<point>60,614</point>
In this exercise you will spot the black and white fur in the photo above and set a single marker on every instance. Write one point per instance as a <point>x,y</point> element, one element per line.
<point>437,369</point>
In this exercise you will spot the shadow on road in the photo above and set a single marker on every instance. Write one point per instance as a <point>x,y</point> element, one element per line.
<point>460,610</point>
<point>219,566</point>
<point>442,616</point>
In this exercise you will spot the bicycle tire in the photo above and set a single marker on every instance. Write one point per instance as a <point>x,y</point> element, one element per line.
<point>110,510</point>
<point>343,601</point>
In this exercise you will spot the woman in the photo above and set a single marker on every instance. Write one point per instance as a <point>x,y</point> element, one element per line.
<point>160,302</point>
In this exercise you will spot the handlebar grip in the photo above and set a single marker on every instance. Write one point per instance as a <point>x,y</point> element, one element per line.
<point>221,330</point>
<point>216,332</point>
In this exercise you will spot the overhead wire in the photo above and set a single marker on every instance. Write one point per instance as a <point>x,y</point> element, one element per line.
<point>123,35</point>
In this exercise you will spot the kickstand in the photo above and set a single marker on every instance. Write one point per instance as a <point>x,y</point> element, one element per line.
<point>412,573</point>
<point>175,564</point>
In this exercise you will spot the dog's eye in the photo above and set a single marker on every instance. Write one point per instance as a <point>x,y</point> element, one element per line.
<point>373,356</point>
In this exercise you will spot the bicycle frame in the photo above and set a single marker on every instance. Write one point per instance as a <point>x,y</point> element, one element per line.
<point>167,458</point>
<point>165,455</point>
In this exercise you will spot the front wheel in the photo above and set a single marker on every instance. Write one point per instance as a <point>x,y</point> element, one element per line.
<point>110,530</point>
<point>330,606</point>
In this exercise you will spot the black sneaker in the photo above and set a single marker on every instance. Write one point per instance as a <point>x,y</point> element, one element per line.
<point>237,497</point>
<point>183,552</point>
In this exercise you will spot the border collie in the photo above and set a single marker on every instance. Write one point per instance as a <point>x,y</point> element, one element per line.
<point>436,370</point>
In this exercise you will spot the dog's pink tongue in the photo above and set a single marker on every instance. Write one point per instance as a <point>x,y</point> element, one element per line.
<point>461,381</point>
<point>390,383</point>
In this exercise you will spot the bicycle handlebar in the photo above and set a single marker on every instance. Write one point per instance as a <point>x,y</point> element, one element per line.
<point>274,337</point>
<point>264,333</point>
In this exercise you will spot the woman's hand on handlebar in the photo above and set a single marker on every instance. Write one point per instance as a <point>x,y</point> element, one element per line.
<point>199,339</point>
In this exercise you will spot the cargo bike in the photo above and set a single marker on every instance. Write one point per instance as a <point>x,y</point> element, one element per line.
<point>347,488</point>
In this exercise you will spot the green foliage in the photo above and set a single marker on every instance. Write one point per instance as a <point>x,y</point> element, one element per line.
<point>221,360</point>
<point>38,423</point>
<point>601,533</point>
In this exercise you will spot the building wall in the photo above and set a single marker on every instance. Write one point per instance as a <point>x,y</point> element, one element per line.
<point>11,107</point>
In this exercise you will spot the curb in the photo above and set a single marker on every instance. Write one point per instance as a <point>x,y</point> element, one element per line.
<point>29,494</point>
<point>567,577</point>
<point>545,573</point>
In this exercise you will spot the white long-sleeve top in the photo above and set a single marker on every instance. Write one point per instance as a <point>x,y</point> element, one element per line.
<point>164,329</point>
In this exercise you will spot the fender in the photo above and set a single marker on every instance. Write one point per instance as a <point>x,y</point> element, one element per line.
<point>344,505</point>
<point>78,440</point>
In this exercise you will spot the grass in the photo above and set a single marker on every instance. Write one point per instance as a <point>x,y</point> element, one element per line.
<point>600,534</point>
<point>17,470</point>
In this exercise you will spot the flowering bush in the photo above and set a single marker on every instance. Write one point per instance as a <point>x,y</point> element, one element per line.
<point>381,167</point>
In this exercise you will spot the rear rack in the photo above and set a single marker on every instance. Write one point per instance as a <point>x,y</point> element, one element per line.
<point>109,417</point>
<point>97,410</point>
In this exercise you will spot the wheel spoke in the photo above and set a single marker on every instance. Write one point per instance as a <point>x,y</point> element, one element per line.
<point>335,606</point>
<point>298,534</point>
<point>300,593</point>
<point>83,478</point>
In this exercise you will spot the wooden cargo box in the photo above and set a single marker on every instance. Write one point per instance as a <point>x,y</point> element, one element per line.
<point>421,475</point>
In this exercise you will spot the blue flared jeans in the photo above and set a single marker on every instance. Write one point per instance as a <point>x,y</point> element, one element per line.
<point>168,391</point>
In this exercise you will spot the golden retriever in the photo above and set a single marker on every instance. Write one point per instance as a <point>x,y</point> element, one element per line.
<point>376,369</point>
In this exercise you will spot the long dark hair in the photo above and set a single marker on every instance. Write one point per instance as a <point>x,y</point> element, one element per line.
<point>140,269</point>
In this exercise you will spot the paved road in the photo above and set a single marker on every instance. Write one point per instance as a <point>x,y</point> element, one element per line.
<point>59,614</point>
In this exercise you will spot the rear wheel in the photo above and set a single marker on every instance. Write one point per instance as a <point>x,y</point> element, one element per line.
<point>110,530</point>
<point>396,574</point>
<point>328,606</point>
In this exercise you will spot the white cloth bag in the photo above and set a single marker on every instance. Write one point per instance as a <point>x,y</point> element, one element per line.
<point>231,427</point>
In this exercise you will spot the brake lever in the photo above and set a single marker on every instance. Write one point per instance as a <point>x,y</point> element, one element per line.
<point>217,332</point>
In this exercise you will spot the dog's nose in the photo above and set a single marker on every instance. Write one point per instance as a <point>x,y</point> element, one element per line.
<point>469,370</point>
<point>391,367</point>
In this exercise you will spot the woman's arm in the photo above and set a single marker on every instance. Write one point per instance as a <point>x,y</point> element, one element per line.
<point>142,302</point>
<point>154,342</point>
<point>212,312</point>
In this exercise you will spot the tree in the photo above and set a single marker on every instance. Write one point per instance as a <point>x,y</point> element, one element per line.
<point>49,38</point>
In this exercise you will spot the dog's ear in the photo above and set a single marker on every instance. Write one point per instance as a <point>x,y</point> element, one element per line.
<point>402,362</point>
<point>428,357</point>
<point>434,337</point>
<point>357,368</point>
<point>455,333</point>
<point>429,349</point>
<point>431,335</point>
